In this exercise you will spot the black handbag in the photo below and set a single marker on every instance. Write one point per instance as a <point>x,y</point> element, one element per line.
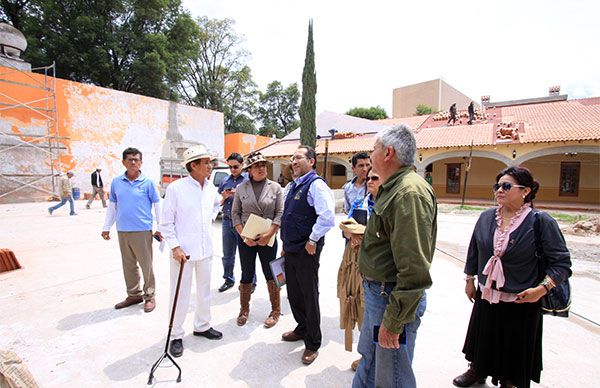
<point>558,301</point>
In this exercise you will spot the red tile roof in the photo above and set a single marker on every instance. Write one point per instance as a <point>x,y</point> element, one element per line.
<point>570,120</point>
<point>457,136</point>
<point>558,121</point>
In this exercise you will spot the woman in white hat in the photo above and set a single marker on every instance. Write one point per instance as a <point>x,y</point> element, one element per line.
<point>262,197</point>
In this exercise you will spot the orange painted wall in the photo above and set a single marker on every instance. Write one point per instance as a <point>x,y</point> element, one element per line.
<point>244,143</point>
<point>94,126</point>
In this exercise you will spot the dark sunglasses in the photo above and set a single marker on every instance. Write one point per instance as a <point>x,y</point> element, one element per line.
<point>234,167</point>
<point>506,186</point>
<point>373,178</point>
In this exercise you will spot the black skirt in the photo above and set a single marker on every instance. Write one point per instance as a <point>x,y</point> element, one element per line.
<point>504,341</point>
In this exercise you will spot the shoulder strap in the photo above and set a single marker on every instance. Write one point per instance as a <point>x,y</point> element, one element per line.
<point>536,230</point>
<point>539,250</point>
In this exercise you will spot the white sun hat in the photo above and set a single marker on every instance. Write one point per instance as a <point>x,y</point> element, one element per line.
<point>194,153</point>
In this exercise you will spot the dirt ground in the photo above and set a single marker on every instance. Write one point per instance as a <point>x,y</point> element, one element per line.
<point>58,314</point>
<point>583,245</point>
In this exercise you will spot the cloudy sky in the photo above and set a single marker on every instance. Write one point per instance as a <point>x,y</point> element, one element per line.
<point>364,49</point>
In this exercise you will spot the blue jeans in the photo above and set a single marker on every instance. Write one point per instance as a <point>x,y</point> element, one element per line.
<point>231,239</point>
<point>230,243</point>
<point>63,201</point>
<point>381,367</point>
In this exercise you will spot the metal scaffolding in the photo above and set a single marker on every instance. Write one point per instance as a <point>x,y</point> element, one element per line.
<point>43,150</point>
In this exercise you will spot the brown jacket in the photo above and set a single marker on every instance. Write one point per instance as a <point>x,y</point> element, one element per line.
<point>269,205</point>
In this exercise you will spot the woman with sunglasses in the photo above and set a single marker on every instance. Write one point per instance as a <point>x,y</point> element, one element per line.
<point>264,198</point>
<point>349,289</point>
<point>504,337</point>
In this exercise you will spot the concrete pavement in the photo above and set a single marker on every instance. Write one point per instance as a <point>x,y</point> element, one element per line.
<point>58,315</point>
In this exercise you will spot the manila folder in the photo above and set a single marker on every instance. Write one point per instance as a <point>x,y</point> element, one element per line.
<point>255,226</point>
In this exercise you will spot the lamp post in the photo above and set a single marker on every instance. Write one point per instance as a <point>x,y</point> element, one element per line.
<point>332,131</point>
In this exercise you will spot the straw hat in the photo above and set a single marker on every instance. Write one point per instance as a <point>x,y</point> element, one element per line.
<point>194,153</point>
<point>350,225</point>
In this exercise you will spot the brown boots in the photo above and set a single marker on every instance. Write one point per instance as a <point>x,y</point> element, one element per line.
<point>273,318</point>
<point>245,292</point>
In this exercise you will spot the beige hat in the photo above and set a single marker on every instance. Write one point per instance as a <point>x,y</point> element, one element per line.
<point>194,153</point>
<point>350,225</point>
<point>253,158</point>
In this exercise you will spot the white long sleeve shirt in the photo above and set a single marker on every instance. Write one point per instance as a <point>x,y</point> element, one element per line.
<point>188,211</point>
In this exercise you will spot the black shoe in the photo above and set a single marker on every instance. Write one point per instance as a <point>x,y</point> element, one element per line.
<point>176,348</point>
<point>468,378</point>
<point>226,286</point>
<point>211,334</point>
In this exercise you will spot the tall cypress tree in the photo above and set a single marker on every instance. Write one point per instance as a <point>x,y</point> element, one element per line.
<point>308,127</point>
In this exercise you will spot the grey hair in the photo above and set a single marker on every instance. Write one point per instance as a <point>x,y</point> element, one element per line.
<point>401,138</point>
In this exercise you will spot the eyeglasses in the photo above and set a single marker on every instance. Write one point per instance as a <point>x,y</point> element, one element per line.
<point>373,178</point>
<point>237,166</point>
<point>259,165</point>
<point>297,157</point>
<point>505,186</point>
<point>133,160</point>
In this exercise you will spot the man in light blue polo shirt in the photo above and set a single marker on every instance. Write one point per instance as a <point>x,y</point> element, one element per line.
<point>132,196</point>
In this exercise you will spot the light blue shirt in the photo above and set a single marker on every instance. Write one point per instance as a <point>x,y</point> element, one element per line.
<point>133,200</point>
<point>352,193</point>
<point>321,198</point>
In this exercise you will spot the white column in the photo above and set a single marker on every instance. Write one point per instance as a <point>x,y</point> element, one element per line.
<point>420,169</point>
<point>276,170</point>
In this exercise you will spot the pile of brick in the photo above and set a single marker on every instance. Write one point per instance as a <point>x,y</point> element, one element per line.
<point>8,260</point>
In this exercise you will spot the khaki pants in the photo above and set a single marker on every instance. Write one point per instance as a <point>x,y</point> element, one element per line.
<point>136,249</point>
<point>100,192</point>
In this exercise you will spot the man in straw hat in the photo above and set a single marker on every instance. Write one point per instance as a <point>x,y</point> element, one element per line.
<point>191,205</point>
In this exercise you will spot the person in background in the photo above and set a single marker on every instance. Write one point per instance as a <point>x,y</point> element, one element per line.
<point>356,187</point>
<point>504,338</point>
<point>350,291</point>
<point>309,213</point>
<point>264,198</point>
<point>452,112</point>
<point>97,188</point>
<point>66,194</point>
<point>394,259</point>
<point>471,110</point>
<point>132,197</point>
<point>191,205</point>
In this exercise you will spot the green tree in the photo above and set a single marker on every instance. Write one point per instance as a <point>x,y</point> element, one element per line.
<point>136,46</point>
<point>13,12</point>
<point>308,126</point>
<point>218,77</point>
<point>423,109</point>
<point>372,113</point>
<point>278,109</point>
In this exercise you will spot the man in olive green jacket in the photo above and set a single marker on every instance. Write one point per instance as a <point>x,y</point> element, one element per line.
<point>394,259</point>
